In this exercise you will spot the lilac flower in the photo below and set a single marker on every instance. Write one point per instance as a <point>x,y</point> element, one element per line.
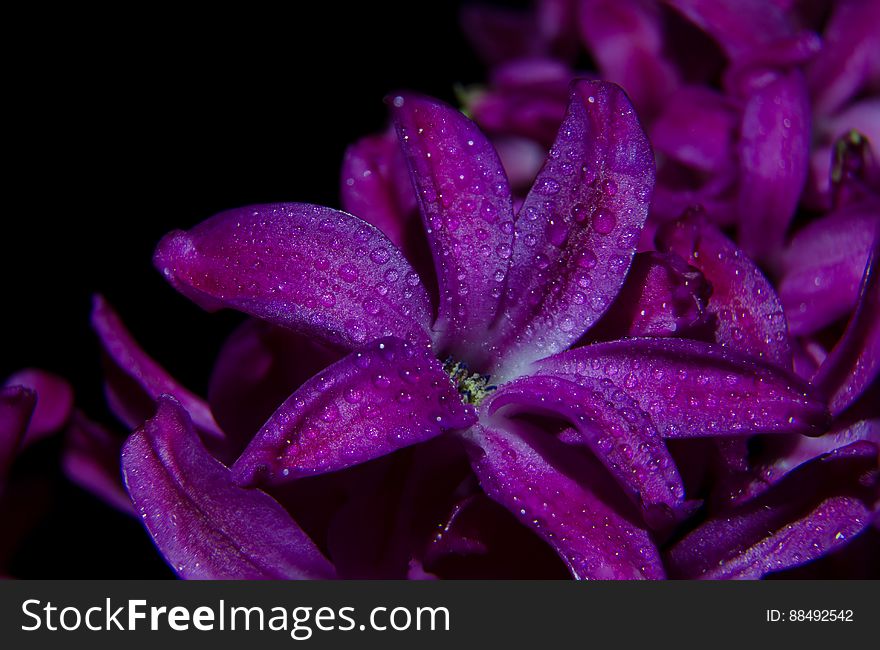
<point>571,439</point>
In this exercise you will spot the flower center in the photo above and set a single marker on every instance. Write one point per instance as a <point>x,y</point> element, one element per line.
<point>472,386</point>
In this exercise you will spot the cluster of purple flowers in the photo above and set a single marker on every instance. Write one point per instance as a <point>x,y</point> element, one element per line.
<point>615,323</point>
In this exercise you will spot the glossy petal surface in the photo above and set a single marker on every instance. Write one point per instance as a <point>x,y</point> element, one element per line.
<point>315,270</point>
<point>748,312</point>
<point>381,398</point>
<point>467,210</point>
<point>824,265</point>
<point>816,509</point>
<point>692,389</point>
<point>773,150</point>
<point>204,525</point>
<point>577,231</point>
<point>854,362</point>
<point>617,431</point>
<point>375,186</point>
<point>662,296</point>
<point>577,516</point>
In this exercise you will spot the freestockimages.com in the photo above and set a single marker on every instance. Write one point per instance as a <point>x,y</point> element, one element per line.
<point>299,622</point>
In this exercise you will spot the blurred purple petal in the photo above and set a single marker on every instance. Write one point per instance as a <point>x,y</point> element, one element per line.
<point>823,267</point>
<point>662,296</point>
<point>135,380</point>
<point>815,509</point>
<point>527,98</point>
<point>692,389</point>
<point>54,401</point>
<point>617,431</point>
<point>16,407</point>
<point>849,58</point>
<point>381,398</point>
<point>773,150</point>
<point>578,229</point>
<point>577,517</point>
<point>468,214</point>
<point>258,367</point>
<point>204,525</point>
<point>854,363</point>
<point>740,26</point>
<point>697,128</point>
<point>91,459</point>
<point>315,270</point>
<point>627,40</point>
<point>375,186</point>
<point>749,314</point>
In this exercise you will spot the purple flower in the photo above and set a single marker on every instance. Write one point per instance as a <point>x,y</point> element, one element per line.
<point>575,440</point>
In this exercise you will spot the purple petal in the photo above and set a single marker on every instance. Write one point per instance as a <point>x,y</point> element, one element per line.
<point>697,128</point>
<point>135,380</point>
<point>91,459</point>
<point>383,397</point>
<point>16,407</point>
<point>618,432</point>
<point>692,389</point>
<point>258,367</point>
<point>577,517</point>
<point>375,186</point>
<point>849,54</point>
<point>468,214</point>
<point>501,34</point>
<point>773,150</point>
<point>816,509</point>
<point>479,539</point>
<point>626,38</point>
<point>204,525</point>
<point>526,98</point>
<point>578,229</point>
<point>315,270</point>
<point>823,267</point>
<point>54,401</point>
<point>749,314</point>
<point>854,363</point>
<point>662,296</point>
<point>740,26</point>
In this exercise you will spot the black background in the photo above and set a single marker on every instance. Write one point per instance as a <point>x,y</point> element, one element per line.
<point>129,125</point>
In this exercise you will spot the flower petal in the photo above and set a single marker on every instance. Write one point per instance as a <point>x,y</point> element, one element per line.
<point>91,460</point>
<point>135,381</point>
<point>579,518</point>
<point>258,367</point>
<point>315,270</point>
<point>662,296</point>
<point>626,39</point>
<point>578,229</point>
<point>16,407</point>
<point>853,364</point>
<point>849,55</point>
<point>823,267</point>
<point>375,186</point>
<point>774,158</point>
<point>617,431</point>
<point>204,525</point>
<point>383,397</point>
<point>749,314</point>
<point>467,210</point>
<point>54,401</point>
<point>692,389</point>
<point>814,510</point>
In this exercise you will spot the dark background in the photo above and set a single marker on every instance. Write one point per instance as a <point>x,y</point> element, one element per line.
<point>128,126</point>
